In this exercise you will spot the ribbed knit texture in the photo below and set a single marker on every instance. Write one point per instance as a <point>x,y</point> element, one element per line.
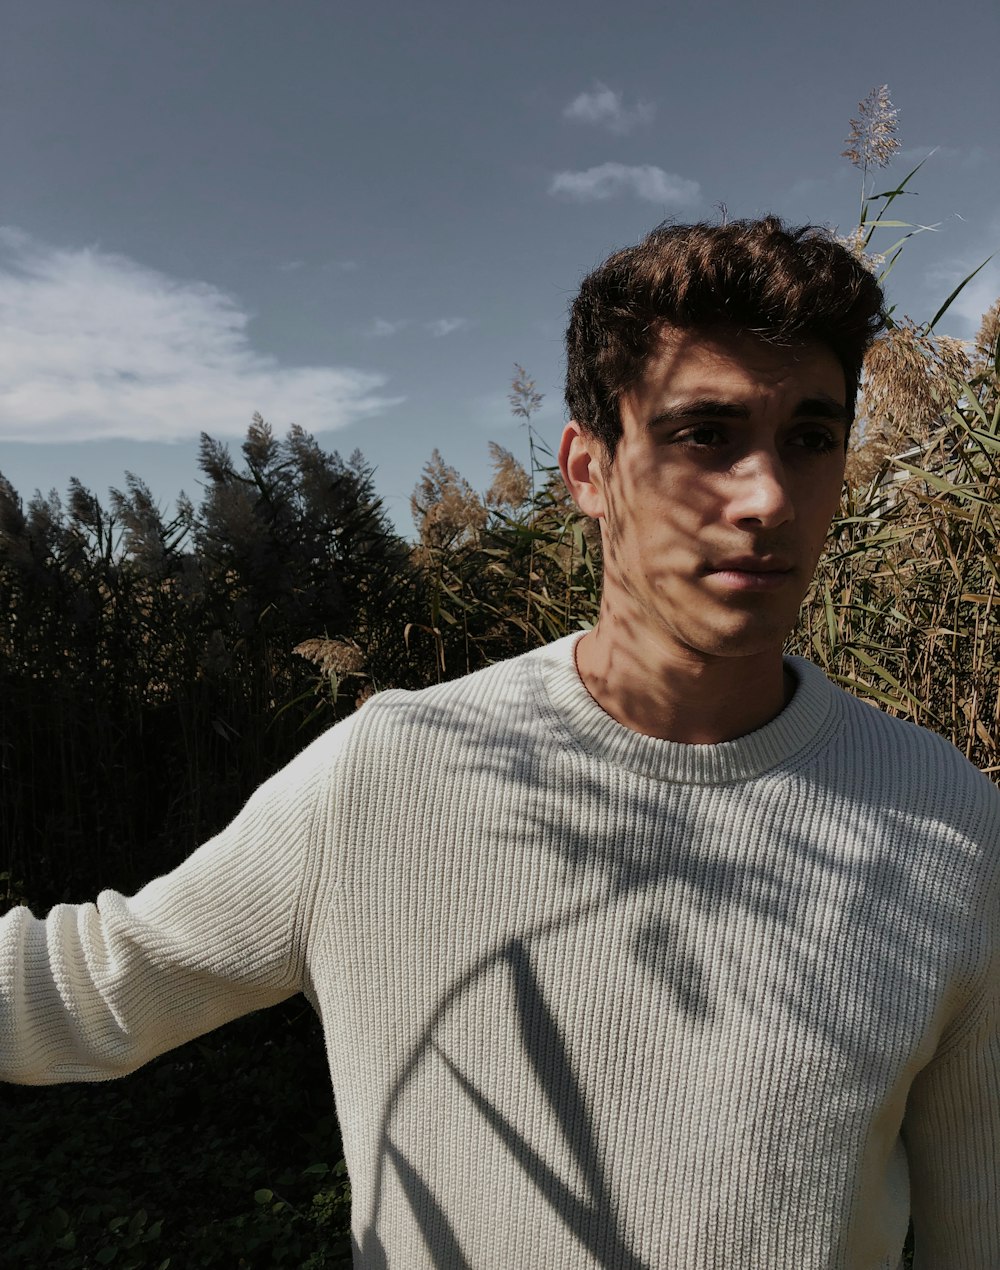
<point>590,999</point>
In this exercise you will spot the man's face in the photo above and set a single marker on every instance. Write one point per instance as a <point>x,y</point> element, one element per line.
<point>718,501</point>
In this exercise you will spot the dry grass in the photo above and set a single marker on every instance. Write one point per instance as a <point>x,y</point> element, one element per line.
<point>905,608</point>
<point>873,142</point>
<point>911,378</point>
<point>511,487</point>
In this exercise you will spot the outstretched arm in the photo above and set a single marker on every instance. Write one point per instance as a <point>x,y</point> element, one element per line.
<point>96,990</point>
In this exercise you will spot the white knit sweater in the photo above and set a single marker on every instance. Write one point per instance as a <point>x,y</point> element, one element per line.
<point>590,999</point>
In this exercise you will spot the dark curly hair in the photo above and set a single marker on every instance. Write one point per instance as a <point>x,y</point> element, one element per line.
<point>761,277</point>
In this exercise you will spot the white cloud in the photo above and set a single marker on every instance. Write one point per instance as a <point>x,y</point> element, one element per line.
<point>95,345</point>
<point>605,108</point>
<point>381,328</point>
<point>446,326</point>
<point>609,180</point>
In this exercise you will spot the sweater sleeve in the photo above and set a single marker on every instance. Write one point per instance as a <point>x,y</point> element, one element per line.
<point>953,1143</point>
<point>94,991</point>
<point>952,1121</point>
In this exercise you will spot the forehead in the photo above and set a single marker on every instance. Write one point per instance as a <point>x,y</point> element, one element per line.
<point>719,361</point>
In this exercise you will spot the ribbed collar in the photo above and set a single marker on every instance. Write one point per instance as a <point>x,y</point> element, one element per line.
<point>806,723</point>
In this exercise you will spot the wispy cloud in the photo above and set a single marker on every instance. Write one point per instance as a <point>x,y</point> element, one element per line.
<point>966,312</point>
<point>491,413</point>
<point>446,326</point>
<point>382,328</point>
<point>96,345</point>
<point>610,180</point>
<point>604,107</point>
<point>964,157</point>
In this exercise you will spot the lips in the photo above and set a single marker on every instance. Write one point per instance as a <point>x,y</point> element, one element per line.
<point>750,573</point>
<point>752,564</point>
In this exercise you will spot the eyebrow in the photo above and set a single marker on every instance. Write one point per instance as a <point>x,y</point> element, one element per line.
<point>821,407</point>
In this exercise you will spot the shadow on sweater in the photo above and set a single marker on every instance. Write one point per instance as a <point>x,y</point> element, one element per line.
<point>594,1219</point>
<point>846,885</point>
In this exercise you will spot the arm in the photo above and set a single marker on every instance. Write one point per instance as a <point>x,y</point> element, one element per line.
<point>952,1134</point>
<point>96,990</point>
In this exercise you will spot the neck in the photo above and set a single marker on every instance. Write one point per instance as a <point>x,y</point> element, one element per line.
<point>678,694</point>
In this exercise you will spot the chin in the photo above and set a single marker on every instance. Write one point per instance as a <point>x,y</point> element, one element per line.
<point>746,642</point>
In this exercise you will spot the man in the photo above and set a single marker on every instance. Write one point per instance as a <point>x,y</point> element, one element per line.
<point>646,949</point>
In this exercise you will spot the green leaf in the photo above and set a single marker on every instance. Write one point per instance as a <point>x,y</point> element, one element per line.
<point>263,1196</point>
<point>105,1256</point>
<point>831,617</point>
<point>901,187</point>
<point>870,691</point>
<point>942,484</point>
<point>889,678</point>
<point>57,1220</point>
<point>985,439</point>
<point>961,287</point>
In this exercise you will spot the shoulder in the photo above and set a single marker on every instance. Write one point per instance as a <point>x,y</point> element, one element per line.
<point>468,712</point>
<point>906,767</point>
<point>498,696</point>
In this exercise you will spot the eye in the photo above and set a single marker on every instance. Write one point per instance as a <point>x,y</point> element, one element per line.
<point>816,439</point>
<point>702,436</point>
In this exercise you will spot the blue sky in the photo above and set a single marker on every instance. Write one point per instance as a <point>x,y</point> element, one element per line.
<point>359,216</point>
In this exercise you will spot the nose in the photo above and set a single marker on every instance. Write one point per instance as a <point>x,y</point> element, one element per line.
<point>759,496</point>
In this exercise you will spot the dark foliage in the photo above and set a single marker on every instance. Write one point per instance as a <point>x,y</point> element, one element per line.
<point>147,670</point>
<point>223,1153</point>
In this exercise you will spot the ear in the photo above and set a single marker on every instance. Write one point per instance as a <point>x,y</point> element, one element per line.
<point>580,455</point>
